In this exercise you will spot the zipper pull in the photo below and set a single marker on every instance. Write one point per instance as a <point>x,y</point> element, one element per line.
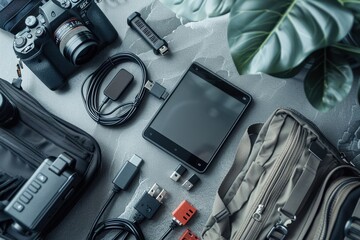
<point>17,81</point>
<point>258,213</point>
<point>344,159</point>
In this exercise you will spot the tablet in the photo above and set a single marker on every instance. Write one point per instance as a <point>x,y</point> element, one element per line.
<point>197,117</point>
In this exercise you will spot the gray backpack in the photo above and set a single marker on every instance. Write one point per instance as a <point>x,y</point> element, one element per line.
<point>287,182</point>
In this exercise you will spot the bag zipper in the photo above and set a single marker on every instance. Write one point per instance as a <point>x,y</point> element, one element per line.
<point>331,203</point>
<point>267,200</point>
<point>71,147</point>
<point>341,157</point>
<point>273,195</point>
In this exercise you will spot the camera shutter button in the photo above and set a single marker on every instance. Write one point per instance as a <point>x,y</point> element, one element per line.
<point>65,3</point>
<point>40,32</point>
<point>20,42</point>
<point>31,21</point>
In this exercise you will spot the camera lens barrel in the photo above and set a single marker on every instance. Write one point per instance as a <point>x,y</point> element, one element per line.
<point>76,42</point>
<point>8,111</point>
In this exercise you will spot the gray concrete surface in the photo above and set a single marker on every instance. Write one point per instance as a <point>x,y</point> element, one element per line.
<point>204,42</point>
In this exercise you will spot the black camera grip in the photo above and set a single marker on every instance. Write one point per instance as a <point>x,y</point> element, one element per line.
<point>98,18</point>
<point>45,71</point>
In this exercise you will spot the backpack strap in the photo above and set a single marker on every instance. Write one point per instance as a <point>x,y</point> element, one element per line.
<point>242,154</point>
<point>298,195</point>
<point>317,154</point>
<point>352,226</point>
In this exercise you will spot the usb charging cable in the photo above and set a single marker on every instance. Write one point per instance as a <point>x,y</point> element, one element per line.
<point>121,182</point>
<point>90,91</point>
<point>145,208</point>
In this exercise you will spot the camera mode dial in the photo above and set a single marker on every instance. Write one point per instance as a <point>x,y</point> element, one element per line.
<point>31,21</point>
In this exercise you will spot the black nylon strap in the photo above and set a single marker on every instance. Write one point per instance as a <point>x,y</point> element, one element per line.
<point>15,12</point>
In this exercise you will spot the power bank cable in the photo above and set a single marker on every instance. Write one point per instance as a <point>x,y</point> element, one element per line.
<point>145,208</point>
<point>124,111</point>
<point>121,182</point>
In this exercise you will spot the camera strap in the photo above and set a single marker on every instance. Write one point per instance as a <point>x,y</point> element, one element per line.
<point>14,13</point>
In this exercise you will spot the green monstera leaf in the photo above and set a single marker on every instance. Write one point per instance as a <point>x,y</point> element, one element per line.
<point>354,5</point>
<point>329,80</point>
<point>350,49</point>
<point>273,36</point>
<point>196,10</point>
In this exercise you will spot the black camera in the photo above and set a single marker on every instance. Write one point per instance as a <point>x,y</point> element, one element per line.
<point>65,34</point>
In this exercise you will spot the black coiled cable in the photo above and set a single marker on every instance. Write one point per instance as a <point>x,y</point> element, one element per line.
<point>120,114</point>
<point>118,224</point>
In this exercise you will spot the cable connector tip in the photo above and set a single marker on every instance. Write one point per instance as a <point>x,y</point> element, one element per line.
<point>178,172</point>
<point>127,173</point>
<point>156,90</point>
<point>190,183</point>
<point>163,50</point>
<point>151,201</point>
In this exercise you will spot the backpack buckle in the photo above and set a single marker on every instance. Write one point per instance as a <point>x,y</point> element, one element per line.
<point>277,232</point>
<point>352,228</point>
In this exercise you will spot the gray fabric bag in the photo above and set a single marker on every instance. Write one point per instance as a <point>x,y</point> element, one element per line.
<point>287,182</point>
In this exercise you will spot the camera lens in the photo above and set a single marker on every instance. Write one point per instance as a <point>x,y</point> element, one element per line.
<point>8,111</point>
<point>76,42</point>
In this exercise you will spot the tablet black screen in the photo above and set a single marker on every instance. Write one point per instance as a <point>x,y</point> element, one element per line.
<point>197,117</point>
